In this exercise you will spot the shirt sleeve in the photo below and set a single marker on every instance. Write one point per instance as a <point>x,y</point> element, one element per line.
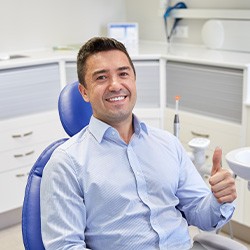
<point>197,202</point>
<point>63,213</point>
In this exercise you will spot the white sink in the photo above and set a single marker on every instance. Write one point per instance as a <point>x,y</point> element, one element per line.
<point>239,161</point>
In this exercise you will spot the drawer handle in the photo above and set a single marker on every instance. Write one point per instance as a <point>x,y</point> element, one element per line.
<point>28,133</point>
<point>22,135</point>
<point>18,155</point>
<point>199,134</point>
<point>30,153</point>
<point>20,175</point>
<point>23,155</point>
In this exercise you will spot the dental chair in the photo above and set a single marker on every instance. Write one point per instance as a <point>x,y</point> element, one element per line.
<point>75,114</point>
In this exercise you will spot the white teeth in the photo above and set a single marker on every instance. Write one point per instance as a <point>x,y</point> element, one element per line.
<point>119,98</point>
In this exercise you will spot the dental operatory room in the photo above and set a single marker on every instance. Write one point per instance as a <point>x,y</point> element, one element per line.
<point>125,124</point>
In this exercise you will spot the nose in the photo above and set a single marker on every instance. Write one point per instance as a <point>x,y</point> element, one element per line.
<point>115,84</point>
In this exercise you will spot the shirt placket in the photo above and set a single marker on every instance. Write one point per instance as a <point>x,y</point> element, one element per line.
<point>142,191</point>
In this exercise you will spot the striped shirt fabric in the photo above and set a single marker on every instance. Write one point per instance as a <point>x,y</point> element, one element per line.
<point>98,192</point>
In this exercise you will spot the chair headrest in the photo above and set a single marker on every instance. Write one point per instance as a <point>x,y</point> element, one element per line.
<point>74,112</point>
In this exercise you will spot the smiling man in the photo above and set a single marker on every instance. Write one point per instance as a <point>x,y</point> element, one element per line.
<point>120,184</point>
<point>109,85</point>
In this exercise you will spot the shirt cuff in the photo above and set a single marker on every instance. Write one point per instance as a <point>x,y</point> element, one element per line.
<point>223,212</point>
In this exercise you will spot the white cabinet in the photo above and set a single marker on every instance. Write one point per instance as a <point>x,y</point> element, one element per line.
<point>29,122</point>
<point>210,106</point>
<point>149,106</point>
<point>20,150</point>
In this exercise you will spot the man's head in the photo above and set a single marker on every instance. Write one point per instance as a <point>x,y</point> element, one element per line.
<point>107,80</point>
<point>93,46</point>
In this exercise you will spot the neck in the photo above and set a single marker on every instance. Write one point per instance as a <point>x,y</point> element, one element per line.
<point>125,129</point>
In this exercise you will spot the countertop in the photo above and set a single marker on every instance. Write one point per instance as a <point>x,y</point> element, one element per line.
<point>146,50</point>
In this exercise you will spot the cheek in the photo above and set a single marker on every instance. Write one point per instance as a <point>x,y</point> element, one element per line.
<point>96,94</point>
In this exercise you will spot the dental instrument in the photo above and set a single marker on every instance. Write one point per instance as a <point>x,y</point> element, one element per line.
<point>176,117</point>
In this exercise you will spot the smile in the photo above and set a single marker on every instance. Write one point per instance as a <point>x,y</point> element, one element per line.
<point>115,99</point>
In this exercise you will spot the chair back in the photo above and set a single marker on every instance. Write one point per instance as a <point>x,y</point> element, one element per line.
<point>74,112</point>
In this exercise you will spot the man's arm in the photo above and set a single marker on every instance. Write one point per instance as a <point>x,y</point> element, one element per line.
<point>199,204</point>
<point>63,213</point>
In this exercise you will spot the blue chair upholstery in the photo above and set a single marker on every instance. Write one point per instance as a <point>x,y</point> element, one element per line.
<point>74,114</point>
<point>73,111</point>
<point>31,224</point>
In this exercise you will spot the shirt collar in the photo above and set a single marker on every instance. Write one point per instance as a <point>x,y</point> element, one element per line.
<point>98,128</point>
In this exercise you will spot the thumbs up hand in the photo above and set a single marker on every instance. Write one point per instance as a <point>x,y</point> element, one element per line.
<point>221,181</point>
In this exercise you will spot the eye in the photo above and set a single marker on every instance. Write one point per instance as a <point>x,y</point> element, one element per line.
<point>124,74</point>
<point>101,77</point>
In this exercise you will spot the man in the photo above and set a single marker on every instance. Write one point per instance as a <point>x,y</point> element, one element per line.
<point>119,183</point>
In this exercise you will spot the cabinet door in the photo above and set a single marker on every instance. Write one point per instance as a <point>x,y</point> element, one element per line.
<point>12,186</point>
<point>21,157</point>
<point>71,72</point>
<point>28,90</point>
<point>147,83</point>
<point>212,91</point>
<point>32,129</point>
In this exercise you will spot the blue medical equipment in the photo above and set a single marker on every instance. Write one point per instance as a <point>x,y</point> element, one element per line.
<point>180,5</point>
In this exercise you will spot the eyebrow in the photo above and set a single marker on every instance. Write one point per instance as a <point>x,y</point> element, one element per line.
<point>102,71</point>
<point>124,68</point>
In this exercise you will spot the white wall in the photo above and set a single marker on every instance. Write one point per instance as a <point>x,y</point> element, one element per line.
<point>151,25</point>
<point>32,24</point>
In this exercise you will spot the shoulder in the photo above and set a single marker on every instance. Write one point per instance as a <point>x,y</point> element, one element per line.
<point>161,133</point>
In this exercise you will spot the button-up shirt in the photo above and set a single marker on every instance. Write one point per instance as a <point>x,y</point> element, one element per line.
<point>99,192</point>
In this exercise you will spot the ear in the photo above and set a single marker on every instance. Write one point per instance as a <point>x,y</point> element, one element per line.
<point>83,91</point>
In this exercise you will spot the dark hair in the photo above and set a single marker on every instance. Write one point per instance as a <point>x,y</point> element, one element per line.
<point>93,46</point>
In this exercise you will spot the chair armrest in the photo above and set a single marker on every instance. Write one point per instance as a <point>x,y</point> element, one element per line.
<point>213,241</point>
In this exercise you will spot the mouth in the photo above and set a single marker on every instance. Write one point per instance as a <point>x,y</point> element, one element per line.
<point>116,99</point>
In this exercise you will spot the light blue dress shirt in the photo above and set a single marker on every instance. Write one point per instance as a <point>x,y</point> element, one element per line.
<point>98,192</point>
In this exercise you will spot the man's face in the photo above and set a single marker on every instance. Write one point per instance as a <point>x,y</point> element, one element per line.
<point>110,86</point>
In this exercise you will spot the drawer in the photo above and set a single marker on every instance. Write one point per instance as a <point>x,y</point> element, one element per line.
<point>23,135</point>
<point>221,133</point>
<point>12,188</point>
<point>18,158</point>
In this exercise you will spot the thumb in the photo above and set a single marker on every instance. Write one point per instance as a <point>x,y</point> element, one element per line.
<point>217,157</point>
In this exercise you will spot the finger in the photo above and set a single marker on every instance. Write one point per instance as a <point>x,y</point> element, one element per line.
<point>227,198</point>
<point>221,180</point>
<point>216,161</point>
<point>226,195</point>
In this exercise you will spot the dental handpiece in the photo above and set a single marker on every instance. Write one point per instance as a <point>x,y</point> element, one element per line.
<point>176,117</point>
